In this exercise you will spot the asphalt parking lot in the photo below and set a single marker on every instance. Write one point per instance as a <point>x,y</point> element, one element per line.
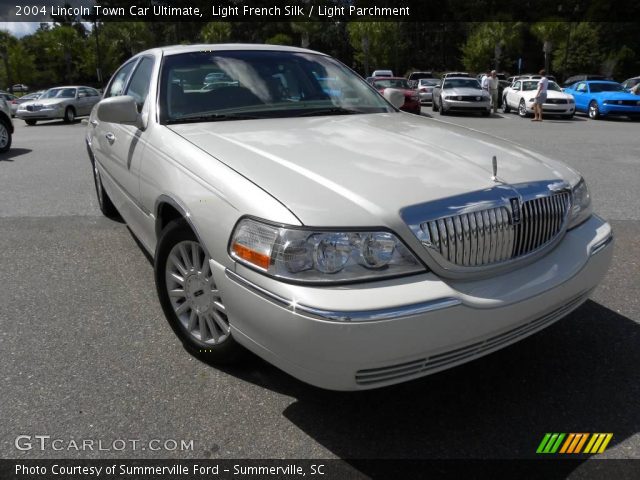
<point>85,351</point>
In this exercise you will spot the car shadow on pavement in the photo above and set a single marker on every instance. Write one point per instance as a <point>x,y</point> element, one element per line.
<point>579,375</point>
<point>13,153</point>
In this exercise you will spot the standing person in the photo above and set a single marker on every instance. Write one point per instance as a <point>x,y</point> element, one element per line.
<point>493,83</point>
<point>484,83</point>
<point>541,97</point>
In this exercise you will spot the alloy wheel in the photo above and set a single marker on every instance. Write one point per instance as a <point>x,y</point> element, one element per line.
<point>193,294</point>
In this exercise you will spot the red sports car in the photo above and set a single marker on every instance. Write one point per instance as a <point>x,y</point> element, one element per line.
<point>411,98</point>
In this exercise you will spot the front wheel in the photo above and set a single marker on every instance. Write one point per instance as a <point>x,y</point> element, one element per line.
<point>434,105</point>
<point>522,109</point>
<point>190,297</point>
<point>441,109</point>
<point>594,111</point>
<point>31,123</point>
<point>104,202</point>
<point>69,115</point>
<point>505,105</point>
<point>5,137</point>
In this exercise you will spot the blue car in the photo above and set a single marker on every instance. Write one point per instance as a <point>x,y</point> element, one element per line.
<point>600,98</point>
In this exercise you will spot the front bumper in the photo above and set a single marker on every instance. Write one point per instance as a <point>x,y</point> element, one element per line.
<point>371,335</point>
<point>40,114</point>
<point>464,106</point>
<point>554,108</point>
<point>613,109</point>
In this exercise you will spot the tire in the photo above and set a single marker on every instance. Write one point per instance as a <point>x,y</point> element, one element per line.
<point>194,310</point>
<point>505,105</point>
<point>593,111</point>
<point>69,115</point>
<point>5,137</point>
<point>441,109</point>
<point>522,109</point>
<point>434,106</point>
<point>31,123</point>
<point>107,207</point>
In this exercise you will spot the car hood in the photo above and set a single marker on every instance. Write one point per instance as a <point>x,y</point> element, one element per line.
<point>46,101</point>
<point>462,91</point>
<point>363,169</point>
<point>550,94</point>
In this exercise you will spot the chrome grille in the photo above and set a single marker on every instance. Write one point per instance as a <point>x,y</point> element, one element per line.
<point>491,236</point>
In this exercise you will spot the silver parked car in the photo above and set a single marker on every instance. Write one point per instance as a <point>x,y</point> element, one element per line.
<point>66,103</point>
<point>6,126</point>
<point>460,94</point>
<point>348,243</point>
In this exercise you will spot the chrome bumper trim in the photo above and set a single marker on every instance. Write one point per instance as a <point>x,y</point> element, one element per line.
<point>601,244</point>
<point>348,315</point>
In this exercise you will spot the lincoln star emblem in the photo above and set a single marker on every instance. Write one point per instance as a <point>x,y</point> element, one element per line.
<point>515,211</point>
<point>494,177</point>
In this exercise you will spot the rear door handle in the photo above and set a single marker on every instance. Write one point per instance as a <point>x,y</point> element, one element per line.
<point>110,137</point>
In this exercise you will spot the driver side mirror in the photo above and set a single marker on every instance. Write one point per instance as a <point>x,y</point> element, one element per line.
<point>122,109</point>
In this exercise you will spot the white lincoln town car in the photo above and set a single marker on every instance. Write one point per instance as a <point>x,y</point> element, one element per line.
<point>348,243</point>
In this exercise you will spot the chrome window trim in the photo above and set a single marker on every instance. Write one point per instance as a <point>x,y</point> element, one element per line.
<point>391,313</point>
<point>497,197</point>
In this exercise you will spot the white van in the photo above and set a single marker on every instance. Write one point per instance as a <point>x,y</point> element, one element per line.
<point>382,73</point>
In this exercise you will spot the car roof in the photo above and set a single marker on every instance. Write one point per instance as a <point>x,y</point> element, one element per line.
<point>204,47</point>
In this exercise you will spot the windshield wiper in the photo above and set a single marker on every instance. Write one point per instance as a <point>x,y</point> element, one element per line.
<point>330,111</point>
<point>211,117</point>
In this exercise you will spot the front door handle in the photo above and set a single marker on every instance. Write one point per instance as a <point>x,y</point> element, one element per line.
<point>94,123</point>
<point>110,137</point>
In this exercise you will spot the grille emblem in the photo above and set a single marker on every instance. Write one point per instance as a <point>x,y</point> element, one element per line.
<point>494,162</point>
<point>515,211</point>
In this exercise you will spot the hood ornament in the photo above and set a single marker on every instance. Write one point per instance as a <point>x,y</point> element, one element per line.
<point>494,162</point>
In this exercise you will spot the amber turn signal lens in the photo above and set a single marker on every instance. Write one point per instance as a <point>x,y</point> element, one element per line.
<point>251,256</point>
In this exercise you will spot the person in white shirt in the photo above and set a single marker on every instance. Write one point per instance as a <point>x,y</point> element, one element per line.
<point>484,82</point>
<point>541,97</point>
<point>492,83</point>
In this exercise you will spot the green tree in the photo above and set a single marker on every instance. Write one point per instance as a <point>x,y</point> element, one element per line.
<point>375,44</point>
<point>7,42</point>
<point>216,32</point>
<point>550,32</point>
<point>491,44</point>
<point>581,50</point>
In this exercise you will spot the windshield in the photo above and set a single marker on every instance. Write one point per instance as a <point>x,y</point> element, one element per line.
<point>391,83</point>
<point>605,87</point>
<point>461,83</point>
<point>60,93</point>
<point>533,85</point>
<point>209,86</point>
<point>428,82</point>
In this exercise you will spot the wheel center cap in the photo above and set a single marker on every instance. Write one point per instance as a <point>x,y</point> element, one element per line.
<point>199,292</point>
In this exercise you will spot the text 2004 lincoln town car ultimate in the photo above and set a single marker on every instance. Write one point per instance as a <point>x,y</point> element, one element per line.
<point>350,244</point>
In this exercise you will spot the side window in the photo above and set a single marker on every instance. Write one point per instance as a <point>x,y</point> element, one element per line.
<point>140,81</point>
<point>516,86</point>
<point>581,88</point>
<point>118,82</point>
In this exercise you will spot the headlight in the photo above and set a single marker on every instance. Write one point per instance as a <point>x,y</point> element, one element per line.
<point>581,208</point>
<point>307,255</point>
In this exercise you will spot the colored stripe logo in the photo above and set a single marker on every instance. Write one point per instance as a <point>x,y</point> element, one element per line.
<point>574,443</point>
